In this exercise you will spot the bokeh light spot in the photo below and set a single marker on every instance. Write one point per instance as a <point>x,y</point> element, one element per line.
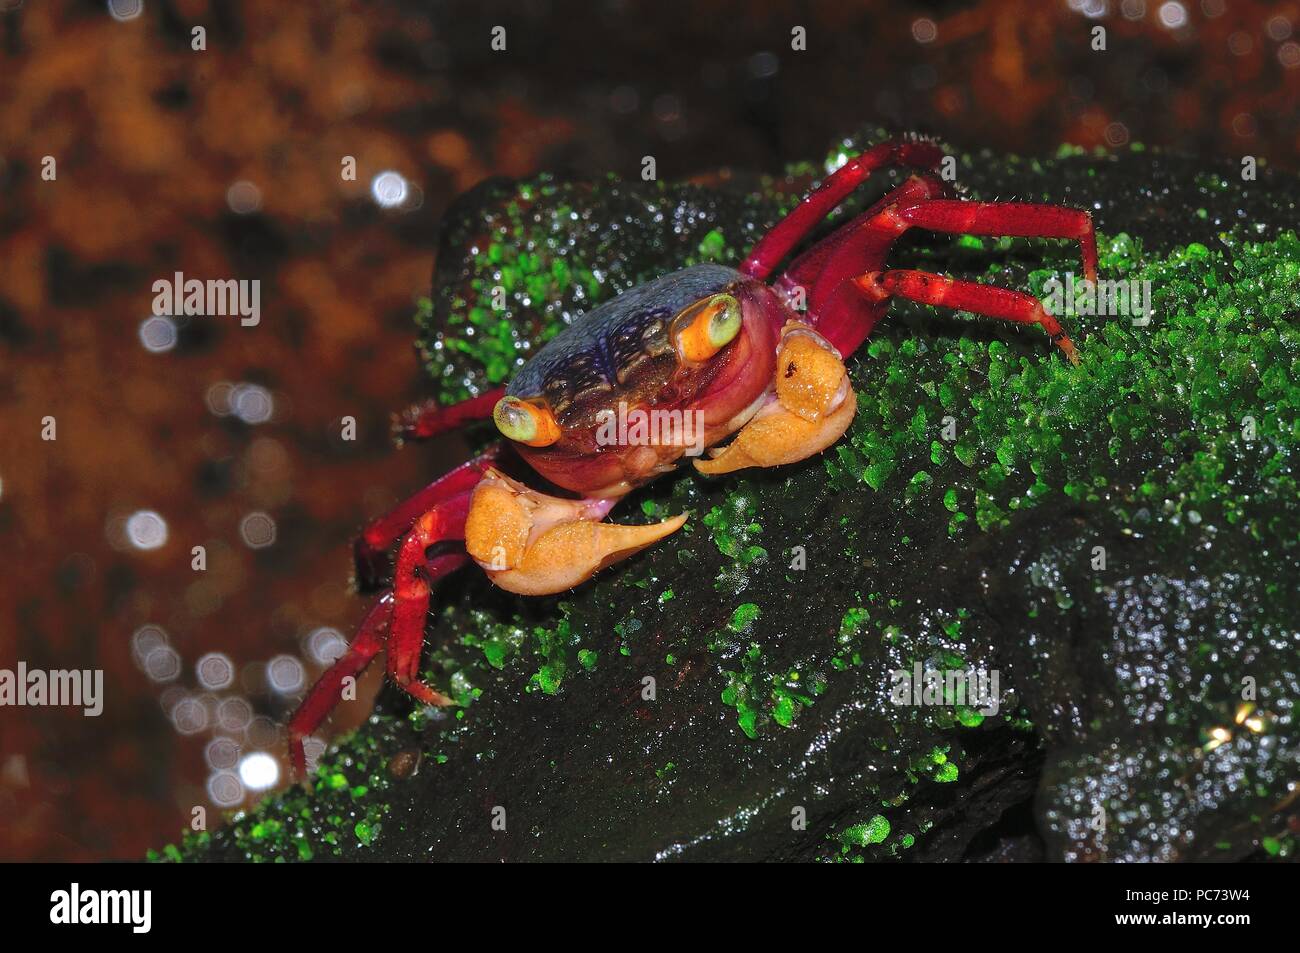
<point>215,670</point>
<point>259,771</point>
<point>146,529</point>
<point>285,674</point>
<point>145,640</point>
<point>163,664</point>
<point>190,716</point>
<point>326,645</point>
<point>221,754</point>
<point>124,10</point>
<point>1172,15</point>
<point>924,30</point>
<point>218,398</point>
<point>251,403</point>
<point>234,714</point>
<point>158,334</point>
<point>257,530</point>
<point>225,789</point>
<point>244,198</point>
<point>389,189</point>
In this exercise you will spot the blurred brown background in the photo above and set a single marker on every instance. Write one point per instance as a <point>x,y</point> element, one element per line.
<point>225,163</point>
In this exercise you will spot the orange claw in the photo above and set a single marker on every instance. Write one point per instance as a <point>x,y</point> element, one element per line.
<point>534,544</point>
<point>812,407</point>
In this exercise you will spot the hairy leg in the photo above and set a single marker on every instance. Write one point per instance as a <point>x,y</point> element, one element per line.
<point>430,417</point>
<point>369,550</point>
<point>325,694</point>
<point>413,579</point>
<point>1019,219</point>
<point>808,214</point>
<point>836,307</point>
<point>396,620</point>
<point>988,300</point>
<point>831,260</point>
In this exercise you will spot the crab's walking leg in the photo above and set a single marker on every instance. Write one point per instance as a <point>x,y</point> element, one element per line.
<point>324,695</point>
<point>835,305</point>
<point>372,635</point>
<point>808,214</point>
<point>946,292</point>
<point>843,253</point>
<point>811,406</point>
<point>411,586</point>
<point>370,547</point>
<point>401,611</point>
<point>1019,219</point>
<point>430,418</point>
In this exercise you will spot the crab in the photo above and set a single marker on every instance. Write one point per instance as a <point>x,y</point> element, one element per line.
<point>711,363</point>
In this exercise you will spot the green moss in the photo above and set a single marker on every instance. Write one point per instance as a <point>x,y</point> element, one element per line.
<point>1040,427</point>
<point>742,620</point>
<point>873,831</point>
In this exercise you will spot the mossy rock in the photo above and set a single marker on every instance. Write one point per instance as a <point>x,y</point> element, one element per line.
<point>1118,541</point>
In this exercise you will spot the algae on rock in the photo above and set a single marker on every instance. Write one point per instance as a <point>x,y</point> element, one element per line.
<point>1117,541</point>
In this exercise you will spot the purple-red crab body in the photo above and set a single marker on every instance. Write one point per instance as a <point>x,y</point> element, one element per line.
<point>710,363</point>
<point>633,356</point>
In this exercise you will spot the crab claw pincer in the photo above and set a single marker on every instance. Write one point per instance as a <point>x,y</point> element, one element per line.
<point>811,406</point>
<point>534,544</point>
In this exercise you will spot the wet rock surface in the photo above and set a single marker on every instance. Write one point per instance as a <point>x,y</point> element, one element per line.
<point>1117,542</point>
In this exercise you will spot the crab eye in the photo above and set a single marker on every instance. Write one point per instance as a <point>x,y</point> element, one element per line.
<point>708,326</point>
<point>525,423</point>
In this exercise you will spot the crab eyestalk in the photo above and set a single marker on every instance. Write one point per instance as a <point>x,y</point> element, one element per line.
<point>526,423</point>
<point>706,327</point>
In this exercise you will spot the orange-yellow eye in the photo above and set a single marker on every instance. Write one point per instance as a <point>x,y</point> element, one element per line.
<point>525,423</point>
<point>708,326</point>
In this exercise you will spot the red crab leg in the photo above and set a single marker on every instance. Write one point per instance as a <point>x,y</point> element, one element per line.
<point>808,214</point>
<point>425,420</point>
<point>325,694</point>
<point>989,300</point>
<point>370,639</point>
<point>834,305</point>
<point>859,246</point>
<point>411,594</point>
<point>370,547</point>
<point>1020,219</point>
